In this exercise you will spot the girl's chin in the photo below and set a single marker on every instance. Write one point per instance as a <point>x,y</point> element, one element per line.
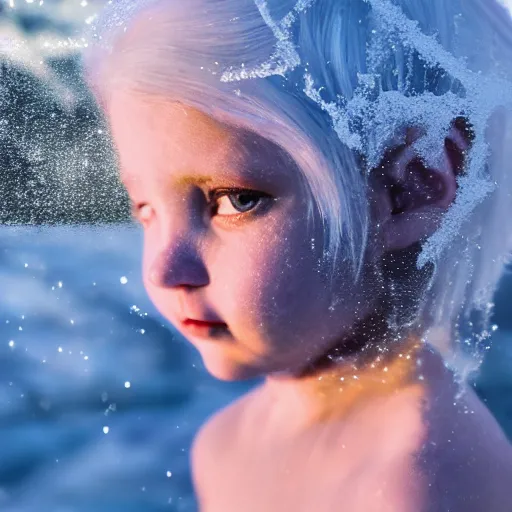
<point>229,370</point>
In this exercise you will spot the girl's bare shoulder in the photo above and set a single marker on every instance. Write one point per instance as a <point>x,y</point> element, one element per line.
<point>470,459</point>
<point>225,423</point>
<point>219,433</point>
<point>216,441</point>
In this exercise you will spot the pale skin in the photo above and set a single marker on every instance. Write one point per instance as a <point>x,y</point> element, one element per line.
<point>383,431</point>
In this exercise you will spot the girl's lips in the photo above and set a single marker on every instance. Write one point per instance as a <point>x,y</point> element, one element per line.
<point>204,329</point>
<point>189,321</point>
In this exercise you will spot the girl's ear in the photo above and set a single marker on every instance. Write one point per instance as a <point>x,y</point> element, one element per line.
<point>408,199</point>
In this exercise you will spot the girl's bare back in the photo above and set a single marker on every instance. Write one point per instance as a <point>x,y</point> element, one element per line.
<point>400,453</point>
<point>316,470</point>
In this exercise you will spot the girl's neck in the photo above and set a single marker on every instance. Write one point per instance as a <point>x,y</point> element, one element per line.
<point>370,364</point>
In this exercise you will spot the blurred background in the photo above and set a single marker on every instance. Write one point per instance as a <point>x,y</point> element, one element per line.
<point>99,397</point>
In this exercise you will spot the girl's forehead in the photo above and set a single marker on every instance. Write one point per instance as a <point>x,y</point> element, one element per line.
<point>134,114</point>
<point>184,142</point>
<point>144,129</point>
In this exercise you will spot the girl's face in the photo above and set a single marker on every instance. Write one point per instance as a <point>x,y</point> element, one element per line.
<point>225,240</point>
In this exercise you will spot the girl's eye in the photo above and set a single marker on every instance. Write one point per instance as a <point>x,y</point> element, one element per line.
<point>235,202</point>
<point>232,203</point>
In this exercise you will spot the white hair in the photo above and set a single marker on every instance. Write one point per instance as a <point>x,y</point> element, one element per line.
<point>332,82</point>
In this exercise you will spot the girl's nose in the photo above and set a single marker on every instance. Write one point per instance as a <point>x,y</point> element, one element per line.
<point>176,265</point>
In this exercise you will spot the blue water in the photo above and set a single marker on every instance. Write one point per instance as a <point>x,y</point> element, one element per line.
<point>62,290</point>
<point>78,335</point>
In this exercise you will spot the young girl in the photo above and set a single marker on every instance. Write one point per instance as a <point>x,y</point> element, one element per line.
<point>325,196</point>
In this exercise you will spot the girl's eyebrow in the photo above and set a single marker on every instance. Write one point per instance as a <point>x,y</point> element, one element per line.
<point>190,179</point>
<point>187,179</point>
